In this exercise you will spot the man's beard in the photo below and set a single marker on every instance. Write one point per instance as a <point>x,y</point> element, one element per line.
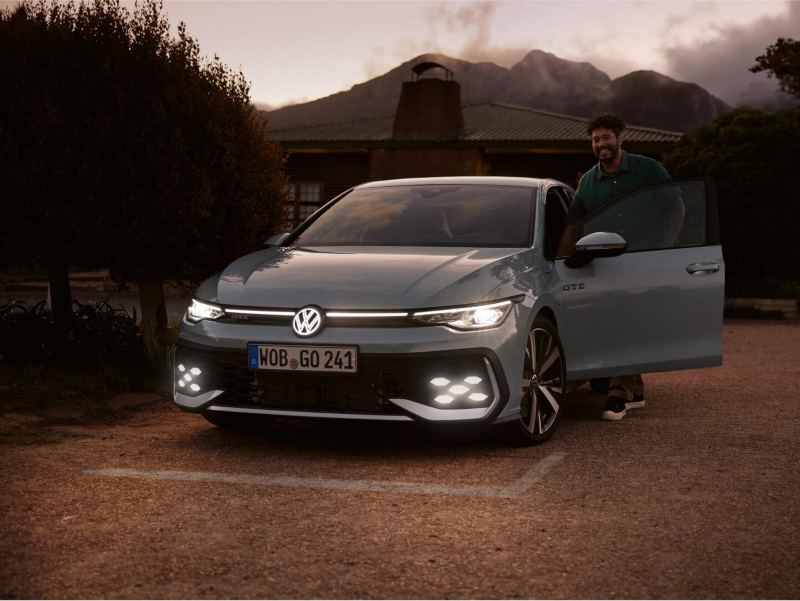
<point>613,151</point>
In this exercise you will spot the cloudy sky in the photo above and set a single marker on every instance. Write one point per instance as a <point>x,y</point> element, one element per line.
<point>299,50</point>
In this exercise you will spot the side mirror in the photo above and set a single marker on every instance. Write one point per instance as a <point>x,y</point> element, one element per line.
<point>596,246</point>
<point>276,239</point>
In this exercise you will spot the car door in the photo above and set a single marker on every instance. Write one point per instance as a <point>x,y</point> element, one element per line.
<point>658,306</point>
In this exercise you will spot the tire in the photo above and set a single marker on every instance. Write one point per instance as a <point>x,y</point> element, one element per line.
<point>236,421</point>
<point>600,385</point>
<point>545,389</point>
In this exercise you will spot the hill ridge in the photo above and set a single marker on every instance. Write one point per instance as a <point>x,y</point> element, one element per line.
<point>539,81</point>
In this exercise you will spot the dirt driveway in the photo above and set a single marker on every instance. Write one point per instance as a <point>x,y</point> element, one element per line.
<point>697,495</point>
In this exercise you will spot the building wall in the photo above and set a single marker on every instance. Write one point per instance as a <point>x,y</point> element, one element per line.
<point>565,167</point>
<point>337,171</point>
<point>424,162</point>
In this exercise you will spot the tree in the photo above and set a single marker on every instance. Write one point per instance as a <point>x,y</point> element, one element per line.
<point>782,60</point>
<point>170,173</point>
<point>753,157</point>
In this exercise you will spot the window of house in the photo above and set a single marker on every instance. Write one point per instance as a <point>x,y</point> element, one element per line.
<point>307,198</point>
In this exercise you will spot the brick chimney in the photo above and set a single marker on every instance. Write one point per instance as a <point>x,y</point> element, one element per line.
<point>429,108</point>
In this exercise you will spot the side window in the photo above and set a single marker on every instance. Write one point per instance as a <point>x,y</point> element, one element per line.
<point>555,213</point>
<point>670,214</point>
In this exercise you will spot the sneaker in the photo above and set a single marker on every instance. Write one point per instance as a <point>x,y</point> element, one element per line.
<point>636,403</point>
<point>614,409</point>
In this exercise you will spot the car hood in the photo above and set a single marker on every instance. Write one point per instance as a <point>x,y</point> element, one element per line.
<point>368,277</point>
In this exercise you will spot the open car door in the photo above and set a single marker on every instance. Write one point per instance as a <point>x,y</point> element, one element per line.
<point>657,306</point>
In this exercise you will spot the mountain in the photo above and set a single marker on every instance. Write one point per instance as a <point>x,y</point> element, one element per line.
<point>540,80</point>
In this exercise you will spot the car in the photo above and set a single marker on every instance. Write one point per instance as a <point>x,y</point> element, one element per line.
<point>443,301</point>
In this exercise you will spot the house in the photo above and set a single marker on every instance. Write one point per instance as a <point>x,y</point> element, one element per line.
<point>432,134</point>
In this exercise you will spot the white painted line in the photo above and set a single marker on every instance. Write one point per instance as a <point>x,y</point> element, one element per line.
<point>516,488</point>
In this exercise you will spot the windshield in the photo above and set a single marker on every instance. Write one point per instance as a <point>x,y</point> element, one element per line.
<point>447,215</point>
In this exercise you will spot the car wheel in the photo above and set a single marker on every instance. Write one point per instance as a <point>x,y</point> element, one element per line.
<point>600,385</point>
<point>236,421</point>
<point>543,384</point>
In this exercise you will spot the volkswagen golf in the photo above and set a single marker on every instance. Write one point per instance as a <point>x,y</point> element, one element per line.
<point>443,300</point>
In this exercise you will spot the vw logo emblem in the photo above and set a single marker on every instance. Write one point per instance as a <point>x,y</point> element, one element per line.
<point>307,322</point>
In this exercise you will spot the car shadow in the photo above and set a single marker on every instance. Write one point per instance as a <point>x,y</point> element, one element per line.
<point>374,440</point>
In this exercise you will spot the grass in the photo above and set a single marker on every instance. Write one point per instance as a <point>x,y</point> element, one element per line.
<point>762,288</point>
<point>750,312</point>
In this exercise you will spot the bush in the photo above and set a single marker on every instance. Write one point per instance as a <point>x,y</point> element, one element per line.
<point>100,335</point>
<point>752,156</point>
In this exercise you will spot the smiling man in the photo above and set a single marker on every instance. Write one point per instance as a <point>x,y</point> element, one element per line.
<point>616,172</point>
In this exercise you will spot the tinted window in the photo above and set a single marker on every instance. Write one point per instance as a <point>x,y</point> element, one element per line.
<point>555,213</point>
<point>448,215</point>
<point>668,215</point>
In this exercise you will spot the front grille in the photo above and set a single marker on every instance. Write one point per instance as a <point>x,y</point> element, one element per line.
<point>367,392</point>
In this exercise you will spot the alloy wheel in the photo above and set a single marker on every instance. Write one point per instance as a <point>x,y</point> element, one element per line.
<point>542,383</point>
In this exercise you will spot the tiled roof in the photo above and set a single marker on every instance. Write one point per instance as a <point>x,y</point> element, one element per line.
<point>485,122</point>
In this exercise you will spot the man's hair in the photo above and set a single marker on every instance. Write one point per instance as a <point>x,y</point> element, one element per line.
<point>607,121</point>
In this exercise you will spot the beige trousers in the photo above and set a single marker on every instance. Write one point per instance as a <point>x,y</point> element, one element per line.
<point>625,387</point>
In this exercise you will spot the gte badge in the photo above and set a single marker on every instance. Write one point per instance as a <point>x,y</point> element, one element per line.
<point>568,287</point>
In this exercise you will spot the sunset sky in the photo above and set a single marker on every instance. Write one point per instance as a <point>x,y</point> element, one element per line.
<point>293,51</point>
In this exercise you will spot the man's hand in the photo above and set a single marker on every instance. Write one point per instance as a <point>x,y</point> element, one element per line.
<point>568,240</point>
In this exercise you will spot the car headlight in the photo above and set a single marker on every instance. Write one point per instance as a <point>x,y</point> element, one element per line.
<point>468,318</point>
<point>199,310</point>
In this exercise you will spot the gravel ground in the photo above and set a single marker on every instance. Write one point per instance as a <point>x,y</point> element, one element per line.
<point>695,496</point>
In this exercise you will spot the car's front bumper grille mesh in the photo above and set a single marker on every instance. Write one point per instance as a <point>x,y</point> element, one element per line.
<point>367,392</point>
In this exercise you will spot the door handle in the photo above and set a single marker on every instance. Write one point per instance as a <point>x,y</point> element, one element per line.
<point>702,268</point>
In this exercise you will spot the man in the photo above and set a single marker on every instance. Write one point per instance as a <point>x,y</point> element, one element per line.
<point>616,172</point>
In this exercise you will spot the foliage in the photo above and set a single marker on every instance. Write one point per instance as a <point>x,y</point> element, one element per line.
<point>763,288</point>
<point>753,157</point>
<point>101,335</point>
<point>782,60</point>
<point>122,146</point>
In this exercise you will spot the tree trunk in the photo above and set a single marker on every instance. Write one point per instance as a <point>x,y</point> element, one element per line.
<point>59,292</point>
<point>154,317</point>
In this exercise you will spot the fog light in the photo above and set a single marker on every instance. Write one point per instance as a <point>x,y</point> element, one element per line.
<point>181,384</point>
<point>478,396</point>
<point>473,380</point>
<point>459,389</point>
<point>440,381</point>
<point>187,377</point>
<point>181,367</point>
<point>195,387</point>
<point>444,399</point>
<point>195,371</point>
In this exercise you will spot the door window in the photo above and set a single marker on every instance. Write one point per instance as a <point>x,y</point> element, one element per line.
<point>670,214</point>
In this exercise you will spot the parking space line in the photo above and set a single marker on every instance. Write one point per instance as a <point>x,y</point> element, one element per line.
<point>516,488</point>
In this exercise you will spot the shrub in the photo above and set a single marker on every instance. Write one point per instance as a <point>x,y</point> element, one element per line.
<point>101,334</point>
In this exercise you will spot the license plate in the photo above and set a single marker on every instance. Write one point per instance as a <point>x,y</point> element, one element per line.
<point>303,358</point>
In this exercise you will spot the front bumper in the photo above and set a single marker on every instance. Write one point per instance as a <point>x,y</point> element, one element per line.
<point>394,382</point>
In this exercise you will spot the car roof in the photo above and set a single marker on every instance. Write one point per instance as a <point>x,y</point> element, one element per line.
<point>462,180</point>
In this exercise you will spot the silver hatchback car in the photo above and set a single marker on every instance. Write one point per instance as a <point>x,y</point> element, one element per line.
<point>442,300</point>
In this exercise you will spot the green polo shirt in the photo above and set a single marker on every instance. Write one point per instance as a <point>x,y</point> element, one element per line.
<point>598,187</point>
